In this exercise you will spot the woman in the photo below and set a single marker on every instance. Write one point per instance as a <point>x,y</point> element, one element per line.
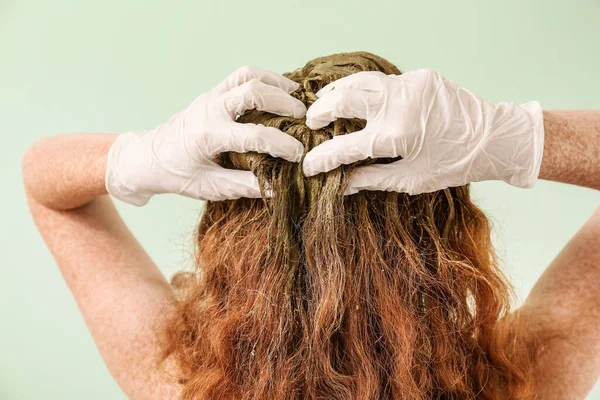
<point>391,291</point>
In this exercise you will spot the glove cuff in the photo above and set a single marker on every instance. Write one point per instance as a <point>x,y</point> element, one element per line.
<point>125,157</point>
<point>529,171</point>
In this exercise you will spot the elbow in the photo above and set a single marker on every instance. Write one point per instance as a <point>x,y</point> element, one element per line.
<point>34,161</point>
<point>28,161</point>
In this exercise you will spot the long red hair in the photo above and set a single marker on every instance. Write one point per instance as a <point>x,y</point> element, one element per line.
<point>313,295</point>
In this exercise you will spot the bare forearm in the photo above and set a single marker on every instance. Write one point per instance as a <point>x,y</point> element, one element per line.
<point>67,171</point>
<point>572,148</point>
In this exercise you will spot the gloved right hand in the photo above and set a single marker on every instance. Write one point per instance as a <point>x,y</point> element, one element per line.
<point>445,135</point>
<point>178,156</point>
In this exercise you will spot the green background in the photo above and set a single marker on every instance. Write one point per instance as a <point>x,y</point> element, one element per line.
<point>112,66</point>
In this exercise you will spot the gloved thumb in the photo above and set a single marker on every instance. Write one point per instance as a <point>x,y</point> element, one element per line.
<point>393,177</point>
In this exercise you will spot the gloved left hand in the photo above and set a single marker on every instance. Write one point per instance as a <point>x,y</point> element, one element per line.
<point>178,156</point>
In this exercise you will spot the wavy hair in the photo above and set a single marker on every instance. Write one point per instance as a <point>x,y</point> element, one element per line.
<point>313,295</point>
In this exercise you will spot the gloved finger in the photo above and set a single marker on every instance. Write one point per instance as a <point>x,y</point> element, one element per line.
<point>227,184</point>
<point>394,177</point>
<point>365,80</point>
<point>339,150</point>
<point>242,138</point>
<point>256,94</point>
<point>247,73</point>
<point>343,103</point>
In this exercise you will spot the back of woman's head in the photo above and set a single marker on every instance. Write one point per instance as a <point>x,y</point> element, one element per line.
<point>310,294</point>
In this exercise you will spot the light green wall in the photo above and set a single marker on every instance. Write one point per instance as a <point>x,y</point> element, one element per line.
<point>112,66</point>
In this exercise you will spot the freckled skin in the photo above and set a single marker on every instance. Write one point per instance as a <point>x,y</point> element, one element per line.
<point>121,293</point>
<point>125,300</point>
<point>566,298</point>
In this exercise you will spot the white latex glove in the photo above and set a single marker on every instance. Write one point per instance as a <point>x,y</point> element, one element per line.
<point>178,157</point>
<point>446,136</point>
